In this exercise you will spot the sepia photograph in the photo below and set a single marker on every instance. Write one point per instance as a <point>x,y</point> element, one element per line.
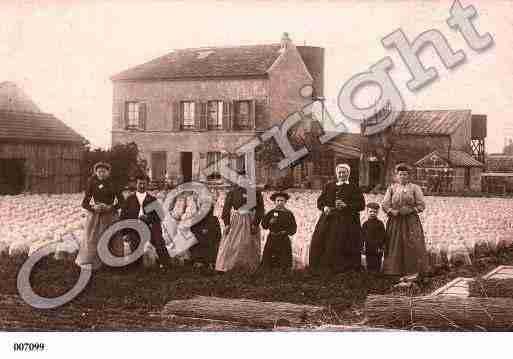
<point>330,167</point>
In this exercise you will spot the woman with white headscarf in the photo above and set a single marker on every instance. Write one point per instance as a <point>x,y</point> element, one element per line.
<point>336,243</point>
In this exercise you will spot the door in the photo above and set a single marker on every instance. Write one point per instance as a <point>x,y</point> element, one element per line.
<point>186,161</point>
<point>158,165</point>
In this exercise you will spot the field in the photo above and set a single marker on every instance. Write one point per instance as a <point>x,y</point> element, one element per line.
<point>453,225</point>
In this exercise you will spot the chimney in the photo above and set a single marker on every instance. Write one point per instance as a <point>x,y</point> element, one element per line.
<point>285,41</point>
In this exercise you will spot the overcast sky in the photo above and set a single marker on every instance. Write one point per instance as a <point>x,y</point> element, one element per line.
<point>62,55</point>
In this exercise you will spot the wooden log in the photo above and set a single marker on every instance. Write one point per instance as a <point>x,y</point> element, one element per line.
<point>440,312</point>
<point>267,314</point>
<point>492,288</point>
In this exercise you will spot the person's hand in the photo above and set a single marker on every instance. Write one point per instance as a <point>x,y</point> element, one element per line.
<point>226,230</point>
<point>204,231</point>
<point>273,220</point>
<point>340,204</point>
<point>403,211</point>
<point>394,212</point>
<point>327,210</point>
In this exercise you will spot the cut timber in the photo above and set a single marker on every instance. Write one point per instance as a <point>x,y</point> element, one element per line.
<point>245,311</point>
<point>440,312</point>
<point>458,286</point>
<point>494,287</point>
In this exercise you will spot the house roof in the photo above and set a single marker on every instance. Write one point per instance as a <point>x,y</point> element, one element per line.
<point>436,122</point>
<point>457,159</point>
<point>499,163</point>
<point>347,144</point>
<point>237,61</point>
<point>35,126</point>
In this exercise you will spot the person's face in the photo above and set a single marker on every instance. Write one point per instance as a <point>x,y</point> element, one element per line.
<point>280,202</point>
<point>342,173</point>
<point>102,173</point>
<point>372,212</point>
<point>141,185</point>
<point>403,176</point>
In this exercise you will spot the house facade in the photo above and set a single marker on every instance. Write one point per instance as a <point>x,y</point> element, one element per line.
<point>188,109</point>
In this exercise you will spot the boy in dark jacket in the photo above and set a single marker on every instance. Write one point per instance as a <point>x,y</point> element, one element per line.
<point>374,238</point>
<point>281,224</point>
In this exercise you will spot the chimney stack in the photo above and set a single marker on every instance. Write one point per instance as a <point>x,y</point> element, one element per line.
<point>285,40</point>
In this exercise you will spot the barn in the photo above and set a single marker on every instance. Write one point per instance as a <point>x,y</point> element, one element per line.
<point>38,152</point>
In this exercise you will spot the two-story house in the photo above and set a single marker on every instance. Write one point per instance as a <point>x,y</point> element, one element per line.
<point>189,108</point>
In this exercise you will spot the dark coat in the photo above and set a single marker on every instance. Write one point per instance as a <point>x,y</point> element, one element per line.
<point>208,234</point>
<point>336,242</point>
<point>130,210</point>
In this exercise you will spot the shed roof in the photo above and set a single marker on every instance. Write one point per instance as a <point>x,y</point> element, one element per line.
<point>434,122</point>
<point>33,126</point>
<point>456,159</point>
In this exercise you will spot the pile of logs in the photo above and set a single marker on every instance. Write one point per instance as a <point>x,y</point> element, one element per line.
<point>491,288</point>
<point>440,312</point>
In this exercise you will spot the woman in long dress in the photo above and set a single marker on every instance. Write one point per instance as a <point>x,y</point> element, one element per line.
<point>241,245</point>
<point>405,250</point>
<point>106,200</point>
<point>336,243</point>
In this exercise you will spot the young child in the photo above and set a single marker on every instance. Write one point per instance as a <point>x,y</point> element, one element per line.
<point>374,238</point>
<point>281,223</point>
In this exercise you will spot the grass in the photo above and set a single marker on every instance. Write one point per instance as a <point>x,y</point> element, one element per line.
<point>143,291</point>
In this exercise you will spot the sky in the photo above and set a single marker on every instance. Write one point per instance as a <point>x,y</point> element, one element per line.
<point>62,54</point>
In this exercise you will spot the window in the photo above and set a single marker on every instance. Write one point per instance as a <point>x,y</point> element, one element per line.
<point>188,115</point>
<point>240,163</point>
<point>214,159</point>
<point>242,115</point>
<point>215,115</point>
<point>326,165</point>
<point>133,114</point>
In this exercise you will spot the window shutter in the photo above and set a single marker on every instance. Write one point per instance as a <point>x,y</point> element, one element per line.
<point>203,116</point>
<point>142,115</point>
<point>233,115</point>
<point>226,115</point>
<point>197,115</point>
<point>252,117</point>
<point>119,111</point>
<point>177,116</point>
<point>260,114</point>
<point>125,114</point>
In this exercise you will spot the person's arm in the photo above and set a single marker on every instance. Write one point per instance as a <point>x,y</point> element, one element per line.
<point>119,199</point>
<point>322,201</point>
<point>292,227</point>
<point>420,204</point>
<point>387,201</point>
<point>266,219</point>
<point>357,203</point>
<point>259,210</point>
<point>227,207</point>
<point>86,202</point>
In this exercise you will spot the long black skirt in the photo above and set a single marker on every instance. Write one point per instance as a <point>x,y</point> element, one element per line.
<point>336,243</point>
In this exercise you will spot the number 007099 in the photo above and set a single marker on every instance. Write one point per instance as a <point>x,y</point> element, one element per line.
<point>28,347</point>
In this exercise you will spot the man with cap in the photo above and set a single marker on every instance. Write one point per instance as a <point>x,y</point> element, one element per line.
<point>336,242</point>
<point>281,224</point>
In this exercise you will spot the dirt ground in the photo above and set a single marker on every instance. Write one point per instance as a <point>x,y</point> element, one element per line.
<point>124,299</point>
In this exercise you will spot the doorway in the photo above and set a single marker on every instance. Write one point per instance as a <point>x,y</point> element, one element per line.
<point>186,162</point>
<point>158,165</point>
<point>12,176</point>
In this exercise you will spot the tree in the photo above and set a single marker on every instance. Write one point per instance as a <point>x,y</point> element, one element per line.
<point>124,159</point>
<point>508,149</point>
